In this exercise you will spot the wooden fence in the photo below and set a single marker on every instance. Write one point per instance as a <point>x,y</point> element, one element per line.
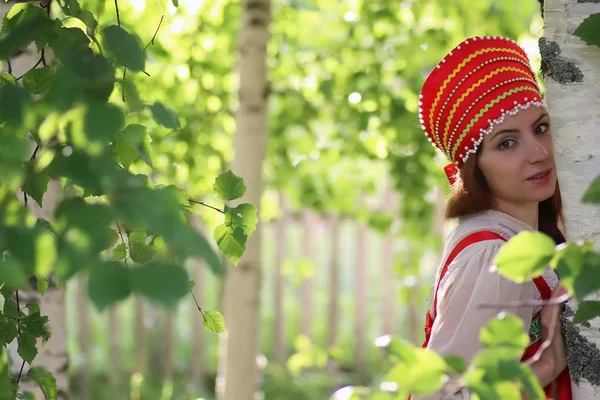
<point>334,281</point>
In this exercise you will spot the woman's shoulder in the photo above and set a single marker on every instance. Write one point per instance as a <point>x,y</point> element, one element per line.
<point>481,222</point>
<point>487,221</point>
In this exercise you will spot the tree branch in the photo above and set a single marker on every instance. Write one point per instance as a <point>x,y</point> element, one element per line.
<point>528,303</point>
<point>206,205</point>
<point>122,239</point>
<point>155,33</point>
<point>118,17</point>
<point>145,47</point>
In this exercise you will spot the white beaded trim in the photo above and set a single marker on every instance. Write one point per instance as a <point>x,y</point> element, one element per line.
<point>518,107</point>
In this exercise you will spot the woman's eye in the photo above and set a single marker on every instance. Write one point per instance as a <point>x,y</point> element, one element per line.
<point>506,144</point>
<point>542,128</point>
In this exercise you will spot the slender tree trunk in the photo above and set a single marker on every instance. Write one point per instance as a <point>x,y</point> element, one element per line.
<point>114,334</point>
<point>242,284</point>
<point>572,77</point>
<point>360,297</point>
<point>141,336</point>
<point>334,281</point>
<point>308,283</point>
<point>388,297</point>
<point>83,328</point>
<point>278,326</point>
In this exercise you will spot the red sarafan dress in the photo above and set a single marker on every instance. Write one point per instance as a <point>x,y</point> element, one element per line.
<point>464,281</point>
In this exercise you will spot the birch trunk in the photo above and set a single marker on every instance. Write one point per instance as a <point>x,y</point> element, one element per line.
<point>308,283</point>
<point>53,355</point>
<point>279,323</point>
<point>572,77</point>
<point>242,284</point>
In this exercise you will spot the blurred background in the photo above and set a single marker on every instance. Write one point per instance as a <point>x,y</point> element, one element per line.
<point>351,214</point>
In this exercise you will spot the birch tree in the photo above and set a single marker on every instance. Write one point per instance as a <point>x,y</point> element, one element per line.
<point>571,70</point>
<point>242,284</point>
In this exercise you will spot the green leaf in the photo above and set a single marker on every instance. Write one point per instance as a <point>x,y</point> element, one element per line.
<point>45,380</point>
<point>578,268</point>
<point>164,116</point>
<point>119,252</point>
<point>422,375</point>
<point>27,349</point>
<point>108,283</point>
<point>76,167</point>
<point>45,253</point>
<point>137,237</point>
<point>243,216</point>
<point>132,96</point>
<point>213,321</point>
<point>126,153</point>
<point>25,396</point>
<point>164,284</point>
<point>36,183</point>
<point>113,237</point>
<point>86,73</point>
<point>530,383</point>
<point>191,284</point>
<point>525,256</point>
<point>136,137</point>
<point>176,3</point>
<point>88,19</point>
<point>457,364</point>
<point>592,194</point>
<point>381,222</point>
<point>589,30</point>
<point>506,332</point>
<point>229,186</point>
<point>229,244</point>
<point>8,330</point>
<point>35,323</point>
<point>8,387</point>
<point>10,308</point>
<point>39,80</point>
<point>132,143</point>
<point>14,103</point>
<point>103,121</point>
<point>141,253</point>
<point>21,29</point>
<point>13,274</point>
<point>124,47</point>
<point>42,284</point>
<point>586,311</point>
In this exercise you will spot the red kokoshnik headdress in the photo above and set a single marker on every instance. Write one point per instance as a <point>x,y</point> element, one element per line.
<point>470,91</point>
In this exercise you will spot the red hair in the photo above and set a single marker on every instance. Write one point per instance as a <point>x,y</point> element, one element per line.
<point>471,194</point>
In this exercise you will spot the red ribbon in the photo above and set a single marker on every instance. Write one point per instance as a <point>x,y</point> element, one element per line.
<point>451,172</point>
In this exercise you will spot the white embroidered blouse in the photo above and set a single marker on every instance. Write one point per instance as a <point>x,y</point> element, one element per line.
<point>469,282</point>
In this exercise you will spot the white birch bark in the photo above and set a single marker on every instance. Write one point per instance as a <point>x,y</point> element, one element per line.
<point>53,355</point>
<point>242,284</point>
<point>575,112</point>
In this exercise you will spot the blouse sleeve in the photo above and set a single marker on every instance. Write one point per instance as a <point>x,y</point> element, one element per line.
<point>468,284</point>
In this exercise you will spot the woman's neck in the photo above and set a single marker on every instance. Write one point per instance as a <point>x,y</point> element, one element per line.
<point>526,213</point>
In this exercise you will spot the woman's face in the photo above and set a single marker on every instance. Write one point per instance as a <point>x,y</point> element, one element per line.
<point>517,159</point>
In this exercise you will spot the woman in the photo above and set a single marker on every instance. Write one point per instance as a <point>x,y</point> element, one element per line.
<point>481,106</point>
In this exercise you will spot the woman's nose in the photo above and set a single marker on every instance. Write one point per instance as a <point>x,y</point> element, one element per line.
<point>537,150</point>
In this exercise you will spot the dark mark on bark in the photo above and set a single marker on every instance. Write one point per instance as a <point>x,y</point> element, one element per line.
<point>588,1</point>
<point>583,357</point>
<point>542,7</point>
<point>556,67</point>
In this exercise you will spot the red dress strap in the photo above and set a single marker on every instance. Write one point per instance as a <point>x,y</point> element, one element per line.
<point>469,240</point>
